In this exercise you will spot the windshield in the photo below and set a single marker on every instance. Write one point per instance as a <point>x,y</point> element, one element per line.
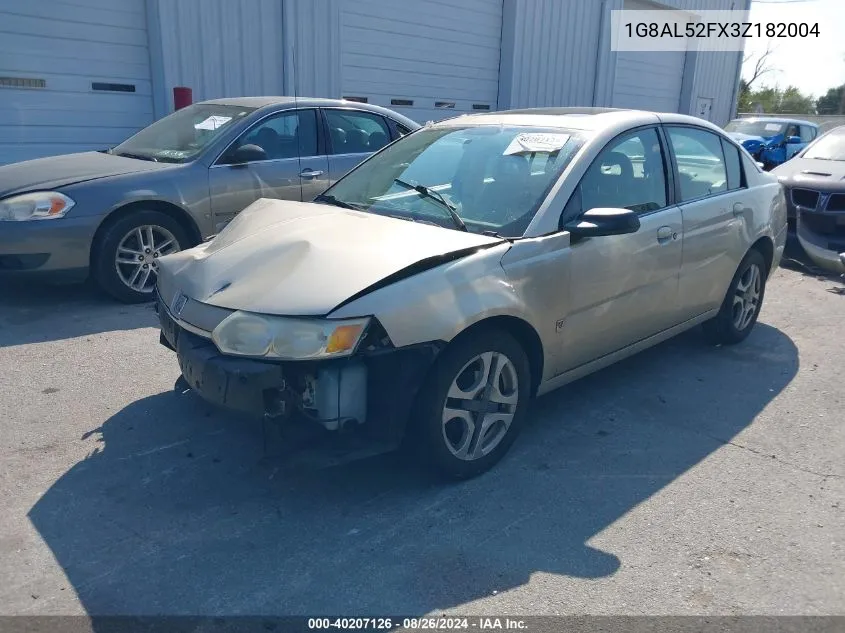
<point>180,136</point>
<point>831,146</point>
<point>493,177</point>
<point>756,128</point>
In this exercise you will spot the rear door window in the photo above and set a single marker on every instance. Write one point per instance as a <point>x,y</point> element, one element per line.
<point>356,132</point>
<point>700,161</point>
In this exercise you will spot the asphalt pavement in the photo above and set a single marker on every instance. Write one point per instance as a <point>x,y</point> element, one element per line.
<point>686,480</point>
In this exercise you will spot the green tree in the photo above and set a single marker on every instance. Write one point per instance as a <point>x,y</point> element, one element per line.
<point>832,102</point>
<point>775,100</point>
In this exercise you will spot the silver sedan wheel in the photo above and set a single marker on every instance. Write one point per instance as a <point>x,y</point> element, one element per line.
<point>480,406</point>
<point>747,297</point>
<point>137,255</point>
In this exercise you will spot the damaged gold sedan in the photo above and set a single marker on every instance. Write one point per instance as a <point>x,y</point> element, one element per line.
<point>432,292</point>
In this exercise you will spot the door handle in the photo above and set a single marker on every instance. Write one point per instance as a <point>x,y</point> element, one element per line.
<point>310,173</point>
<point>739,209</point>
<point>665,234</point>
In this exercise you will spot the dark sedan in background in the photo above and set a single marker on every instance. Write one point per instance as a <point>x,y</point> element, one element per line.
<point>815,186</point>
<point>114,213</point>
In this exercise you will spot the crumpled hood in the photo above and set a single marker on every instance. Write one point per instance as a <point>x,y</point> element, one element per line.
<point>744,139</point>
<point>297,258</point>
<point>42,174</point>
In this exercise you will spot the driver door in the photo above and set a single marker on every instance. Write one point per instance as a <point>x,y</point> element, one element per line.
<point>623,288</point>
<point>293,170</point>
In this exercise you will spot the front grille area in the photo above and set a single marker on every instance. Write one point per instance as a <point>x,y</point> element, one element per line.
<point>819,223</point>
<point>836,202</point>
<point>805,198</point>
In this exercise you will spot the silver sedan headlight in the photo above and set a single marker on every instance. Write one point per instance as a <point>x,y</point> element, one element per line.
<point>285,338</point>
<point>38,205</point>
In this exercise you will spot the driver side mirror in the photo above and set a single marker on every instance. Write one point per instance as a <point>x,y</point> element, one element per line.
<point>793,140</point>
<point>604,221</point>
<point>248,153</point>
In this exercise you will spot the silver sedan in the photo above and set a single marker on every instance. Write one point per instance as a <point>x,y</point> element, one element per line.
<point>113,214</point>
<point>477,262</point>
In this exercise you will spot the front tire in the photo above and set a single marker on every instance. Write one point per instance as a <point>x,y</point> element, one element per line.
<point>472,405</point>
<point>125,258</point>
<point>742,303</point>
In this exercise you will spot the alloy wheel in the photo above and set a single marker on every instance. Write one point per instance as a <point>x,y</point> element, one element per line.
<point>746,299</point>
<point>480,406</point>
<point>136,259</point>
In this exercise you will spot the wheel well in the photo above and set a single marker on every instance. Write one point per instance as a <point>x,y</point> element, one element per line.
<point>177,213</point>
<point>525,334</point>
<point>766,248</point>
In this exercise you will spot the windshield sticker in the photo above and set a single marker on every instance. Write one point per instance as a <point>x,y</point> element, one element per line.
<point>536,142</point>
<point>772,127</point>
<point>213,122</point>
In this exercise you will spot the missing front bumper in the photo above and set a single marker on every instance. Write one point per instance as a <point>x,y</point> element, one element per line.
<point>376,389</point>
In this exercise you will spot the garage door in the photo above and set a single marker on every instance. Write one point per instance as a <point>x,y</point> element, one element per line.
<point>648,80</point>
<point>74,75</point>
<point>427,59</point>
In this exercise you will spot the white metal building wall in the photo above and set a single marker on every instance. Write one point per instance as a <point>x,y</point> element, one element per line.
<point>74,75</point>
<point>648,80</point>
<point>428,59</point>
<point>557,53</point>
<point>218,48</point>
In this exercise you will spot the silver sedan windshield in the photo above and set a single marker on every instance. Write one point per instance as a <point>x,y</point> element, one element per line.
<point>180,136</point>
<point>493,178</point>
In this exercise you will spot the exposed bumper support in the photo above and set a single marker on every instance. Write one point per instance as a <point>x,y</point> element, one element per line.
<point>376,389</point>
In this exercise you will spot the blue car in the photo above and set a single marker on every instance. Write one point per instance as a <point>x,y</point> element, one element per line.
<point>770,140</point>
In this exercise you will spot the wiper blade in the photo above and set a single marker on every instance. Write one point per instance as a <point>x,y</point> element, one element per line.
<point>497,234</point>
<point>138,156</point>
<point>330,199</point>
<point>428,192</point>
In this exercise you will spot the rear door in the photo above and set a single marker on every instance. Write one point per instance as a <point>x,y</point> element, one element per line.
<point>624,288</point>
<point>295,168</point>
<point>352,136</point>
<point>714,201</point>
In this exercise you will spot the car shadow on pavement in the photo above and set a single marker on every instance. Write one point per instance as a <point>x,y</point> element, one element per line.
<point>38,312</point>
<point>183,510</point>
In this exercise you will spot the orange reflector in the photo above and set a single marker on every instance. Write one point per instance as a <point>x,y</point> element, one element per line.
<point>56,206</point>
<point>343,338</point>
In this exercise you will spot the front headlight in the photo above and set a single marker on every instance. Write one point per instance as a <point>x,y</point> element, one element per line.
<point>39,205</point>
<point>285,338</point>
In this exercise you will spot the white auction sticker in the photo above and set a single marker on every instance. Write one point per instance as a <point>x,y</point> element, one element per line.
<point>536,142</point>
<point>213,122</point>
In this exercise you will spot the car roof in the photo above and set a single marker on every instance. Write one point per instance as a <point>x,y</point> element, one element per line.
<point>776,119</point>
<point>587,119</point>
<point>310,102</point>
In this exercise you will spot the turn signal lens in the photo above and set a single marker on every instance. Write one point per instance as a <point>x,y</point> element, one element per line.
<point>344,338</point>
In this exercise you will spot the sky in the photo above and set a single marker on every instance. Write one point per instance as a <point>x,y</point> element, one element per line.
<point>813,65</point>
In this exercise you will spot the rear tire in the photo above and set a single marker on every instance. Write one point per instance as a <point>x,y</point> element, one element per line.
<point>742,303</point>
<point>472,405</point>
<point>124,258</point>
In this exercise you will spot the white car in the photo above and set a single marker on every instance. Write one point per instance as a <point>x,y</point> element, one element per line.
<point>471,265</point>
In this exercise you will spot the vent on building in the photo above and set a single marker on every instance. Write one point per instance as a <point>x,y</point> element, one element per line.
<point>357,99</point>
<point>22,82</point>
<point>97,85</point>
<point>444,104</point>
<point>402,102</point>
<point>480,106</point>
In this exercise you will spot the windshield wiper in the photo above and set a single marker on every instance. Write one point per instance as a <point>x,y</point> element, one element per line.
<point>428,192</point>
<point>138,156</point>
<point>330,199</point>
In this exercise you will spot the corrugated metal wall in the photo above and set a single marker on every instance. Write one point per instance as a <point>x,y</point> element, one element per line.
<point>554,52</point>
<point>557,53</point>
<point>549,50</point>
<point>220,48</point>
